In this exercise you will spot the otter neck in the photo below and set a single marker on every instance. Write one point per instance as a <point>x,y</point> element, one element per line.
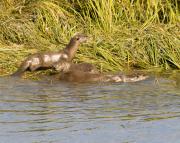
<point>71,49</point>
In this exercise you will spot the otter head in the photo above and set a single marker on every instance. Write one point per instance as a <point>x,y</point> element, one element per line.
<point>80,38</point>
<point>135,78</point>
<point>73,45</point>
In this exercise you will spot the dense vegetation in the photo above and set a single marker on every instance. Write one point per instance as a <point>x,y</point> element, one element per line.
<point>125,34</point>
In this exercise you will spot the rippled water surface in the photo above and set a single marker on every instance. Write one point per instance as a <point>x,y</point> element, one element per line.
<point>57,112</point>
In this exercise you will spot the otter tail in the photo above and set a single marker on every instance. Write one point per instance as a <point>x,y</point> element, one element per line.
<point>24,66</point>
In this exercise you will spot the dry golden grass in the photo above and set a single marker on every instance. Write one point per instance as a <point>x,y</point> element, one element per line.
<point>125,34</point>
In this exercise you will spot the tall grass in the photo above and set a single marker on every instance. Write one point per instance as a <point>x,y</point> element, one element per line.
<point>125,34</point>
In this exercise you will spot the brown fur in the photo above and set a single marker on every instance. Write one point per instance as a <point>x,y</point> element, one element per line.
<point>86,72</point>
<point>81,76</point>
<point>48,59</point>
<point>65,66</point>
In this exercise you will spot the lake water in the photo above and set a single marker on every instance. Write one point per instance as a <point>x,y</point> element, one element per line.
<point>57,112</point>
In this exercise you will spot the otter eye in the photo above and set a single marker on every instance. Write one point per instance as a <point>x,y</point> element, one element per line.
<point>77,38</point>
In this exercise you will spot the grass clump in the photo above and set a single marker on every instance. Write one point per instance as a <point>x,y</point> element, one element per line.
<point>125,34</point>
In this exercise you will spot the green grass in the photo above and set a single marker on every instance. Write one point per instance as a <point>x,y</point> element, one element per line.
<point>126,34</point>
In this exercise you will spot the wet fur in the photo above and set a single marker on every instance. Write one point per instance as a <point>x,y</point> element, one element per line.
<point>86,72</point>
<point>81,76</point>
<point>65,67</point>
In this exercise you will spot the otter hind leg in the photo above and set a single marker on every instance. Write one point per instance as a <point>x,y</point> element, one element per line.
<point>24,66</point>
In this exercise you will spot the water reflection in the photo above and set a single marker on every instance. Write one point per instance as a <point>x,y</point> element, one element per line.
<point>46,111</point>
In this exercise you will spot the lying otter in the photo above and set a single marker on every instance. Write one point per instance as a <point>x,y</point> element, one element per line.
<point>83,74</point>
<point>48,59</point>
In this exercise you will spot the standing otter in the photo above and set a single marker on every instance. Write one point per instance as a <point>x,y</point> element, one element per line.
<point>48,59</point>
<point>80,73</point>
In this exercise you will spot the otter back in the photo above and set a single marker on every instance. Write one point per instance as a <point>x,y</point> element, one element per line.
<point>64,66</point>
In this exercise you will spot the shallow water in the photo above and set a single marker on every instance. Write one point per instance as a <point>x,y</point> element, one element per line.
<point>57,112</point>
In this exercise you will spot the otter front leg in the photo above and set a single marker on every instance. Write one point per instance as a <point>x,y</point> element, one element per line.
<point>35,62</point>
<point>34,67</point>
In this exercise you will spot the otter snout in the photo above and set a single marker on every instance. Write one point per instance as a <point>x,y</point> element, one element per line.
<point>81,38</point>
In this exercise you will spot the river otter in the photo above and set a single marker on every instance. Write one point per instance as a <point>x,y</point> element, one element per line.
<point>81,74</point>
<point>47,59</point>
